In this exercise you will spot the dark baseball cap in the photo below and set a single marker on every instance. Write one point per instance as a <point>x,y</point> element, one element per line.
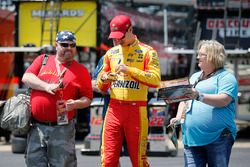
<point>118,26</point>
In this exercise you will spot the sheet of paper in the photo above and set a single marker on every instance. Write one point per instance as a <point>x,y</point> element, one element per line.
<point>174,90</point>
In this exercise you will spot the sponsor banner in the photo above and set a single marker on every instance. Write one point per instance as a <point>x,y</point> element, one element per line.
<point>78,17</point>
<point>236,32</point>
<point>234,27</point>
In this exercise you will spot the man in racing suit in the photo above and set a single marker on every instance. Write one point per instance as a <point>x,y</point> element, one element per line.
<point>135,67</point>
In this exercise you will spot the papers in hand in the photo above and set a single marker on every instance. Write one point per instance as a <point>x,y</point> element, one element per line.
<point>174,90</point>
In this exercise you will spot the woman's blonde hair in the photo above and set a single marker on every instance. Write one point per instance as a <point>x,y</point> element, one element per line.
<point>215,52</point>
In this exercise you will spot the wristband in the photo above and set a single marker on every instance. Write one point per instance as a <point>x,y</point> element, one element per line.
<point>200,97</point>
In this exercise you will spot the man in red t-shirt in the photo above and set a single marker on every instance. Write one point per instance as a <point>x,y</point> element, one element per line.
<point>59,87</point>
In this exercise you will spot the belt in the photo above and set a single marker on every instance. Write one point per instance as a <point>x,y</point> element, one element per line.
<point>129,103</point>
<point>45,123</point>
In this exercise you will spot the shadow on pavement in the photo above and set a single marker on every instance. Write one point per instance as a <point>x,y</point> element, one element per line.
<point>244,133</point>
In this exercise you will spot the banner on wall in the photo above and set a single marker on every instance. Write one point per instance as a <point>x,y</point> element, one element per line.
<point>233,31</point>
<point>78,17</point>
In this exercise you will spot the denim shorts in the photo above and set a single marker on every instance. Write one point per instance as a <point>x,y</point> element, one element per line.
<point>216,154</point>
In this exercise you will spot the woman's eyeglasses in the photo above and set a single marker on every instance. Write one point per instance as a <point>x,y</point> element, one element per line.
<point>202,54</point>
<point>66,45</point>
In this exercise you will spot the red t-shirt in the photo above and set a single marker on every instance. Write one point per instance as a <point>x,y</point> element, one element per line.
<point>76,82</point>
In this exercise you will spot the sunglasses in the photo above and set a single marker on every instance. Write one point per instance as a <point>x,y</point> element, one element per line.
<point>66,45</point>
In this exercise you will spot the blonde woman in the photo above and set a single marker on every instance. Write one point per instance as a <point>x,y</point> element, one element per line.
<point>209,129</point>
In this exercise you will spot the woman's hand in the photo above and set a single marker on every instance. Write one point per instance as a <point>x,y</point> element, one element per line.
<point>174,121</point>
<point>192,93</point>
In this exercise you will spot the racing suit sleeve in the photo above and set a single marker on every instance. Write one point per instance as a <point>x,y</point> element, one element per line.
<point>103,86</point>
<point>150,76</point>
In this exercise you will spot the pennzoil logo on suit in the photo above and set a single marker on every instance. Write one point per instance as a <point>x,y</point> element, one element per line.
<point>126,84</point>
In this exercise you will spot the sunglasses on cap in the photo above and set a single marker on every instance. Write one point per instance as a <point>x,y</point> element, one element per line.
<point>66,45</point>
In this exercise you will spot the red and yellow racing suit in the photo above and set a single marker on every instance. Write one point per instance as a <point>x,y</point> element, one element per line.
<point>126,116</point>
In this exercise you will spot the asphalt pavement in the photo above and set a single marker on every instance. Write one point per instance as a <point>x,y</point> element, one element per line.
<point>240,156</point>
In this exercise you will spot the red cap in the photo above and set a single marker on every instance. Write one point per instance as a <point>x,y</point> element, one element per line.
<point>118,26</point>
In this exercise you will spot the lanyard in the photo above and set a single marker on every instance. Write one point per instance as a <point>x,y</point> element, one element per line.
<point>60,73</point>
<point>208,76</point>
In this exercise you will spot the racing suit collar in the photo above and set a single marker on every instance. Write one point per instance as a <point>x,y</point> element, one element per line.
<point>133,44</point>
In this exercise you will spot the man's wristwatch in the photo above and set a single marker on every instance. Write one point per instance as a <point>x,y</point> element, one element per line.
<point>200,97</point>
